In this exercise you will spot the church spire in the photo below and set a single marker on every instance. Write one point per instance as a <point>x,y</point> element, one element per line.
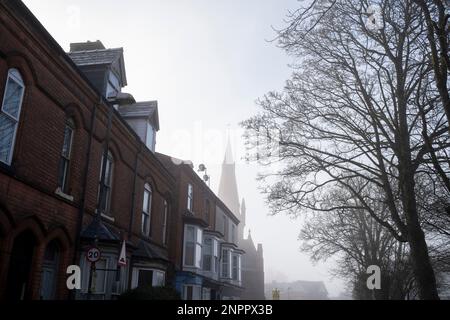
<point>228,191</point>
<point>242,217</point>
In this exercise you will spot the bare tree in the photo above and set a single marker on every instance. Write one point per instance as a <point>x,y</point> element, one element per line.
<point>357,241</point>
<point>436,14</point>
<point>350,114</point>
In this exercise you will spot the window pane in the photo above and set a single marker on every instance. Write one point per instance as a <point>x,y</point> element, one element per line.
<point>145,207</point>
<point>145,223</point>
<point>198,255</point>
<point>7,129</point>
<point>190,234</point>
<point>67,145</point>
<point>145,278</point>
<point>189,254</point>
<point>63,169</point>
<point>235,267</point>
<point>207,262</point>
<point>158,279</point>
<point>108,172</point>
<point>188,292</point>
<point>12,99</point>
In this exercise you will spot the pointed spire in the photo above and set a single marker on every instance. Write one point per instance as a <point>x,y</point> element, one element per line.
<point>228,159</point>
<point>243,208</point>
<point>228,191</point>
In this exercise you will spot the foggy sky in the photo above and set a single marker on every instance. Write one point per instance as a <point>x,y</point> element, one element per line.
<point>206,62</point>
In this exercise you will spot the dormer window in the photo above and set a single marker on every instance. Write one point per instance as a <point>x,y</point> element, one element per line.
<point>150,137</point>
<point>113,85</point>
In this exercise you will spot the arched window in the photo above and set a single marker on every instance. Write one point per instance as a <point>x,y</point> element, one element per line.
<point>146,210</point>
<point>66,155</point>
<point>105,203</point>
<point>10,114</point>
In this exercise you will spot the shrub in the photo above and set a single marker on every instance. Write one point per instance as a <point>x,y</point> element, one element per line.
<point>151,293</point>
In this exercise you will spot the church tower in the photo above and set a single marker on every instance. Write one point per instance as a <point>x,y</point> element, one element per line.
<point>252,260</point>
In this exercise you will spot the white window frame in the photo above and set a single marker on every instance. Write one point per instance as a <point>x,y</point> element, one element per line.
<point>145,229</point>
<point>205,253</point>
<point>226,266</point>
<point>135,277</point>
<point>235,267</point>
<point>66,159</point>
<point>190,197</point>
<point>14,75</point>
<point>112,87</point>
<point>196,291</point>
<point>198,244</point>
<point>108,186</point>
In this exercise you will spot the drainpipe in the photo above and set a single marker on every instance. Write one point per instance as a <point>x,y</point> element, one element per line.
<point>83,192</point>
<point>133,194</point>
<point>101,199</point>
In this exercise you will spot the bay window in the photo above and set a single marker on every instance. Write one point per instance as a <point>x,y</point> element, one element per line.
<point>211,255</point>
<point>10,114</point>
<point>146,277</point>
<point>207,254</point>
<point>226,263</point>
<point>193,237</point>
<point>236,267</point>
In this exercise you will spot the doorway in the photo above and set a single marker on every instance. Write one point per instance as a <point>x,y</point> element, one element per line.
<point>19,274</point>
<point>50,271</point>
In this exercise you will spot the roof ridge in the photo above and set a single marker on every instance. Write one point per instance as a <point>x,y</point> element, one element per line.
<point>96,50</point>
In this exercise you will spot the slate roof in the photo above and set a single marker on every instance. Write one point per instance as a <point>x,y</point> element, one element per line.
<point>95,57</point>
<point>97,229</point>
<point>150,251</point>
<point>145,109</point>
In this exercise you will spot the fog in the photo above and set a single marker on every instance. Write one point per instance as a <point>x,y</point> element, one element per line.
<point>206,62</point>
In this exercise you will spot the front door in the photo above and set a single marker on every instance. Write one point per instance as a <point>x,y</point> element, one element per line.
<point>19,274</point>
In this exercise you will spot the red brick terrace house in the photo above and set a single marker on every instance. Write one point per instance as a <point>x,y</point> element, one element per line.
<point>77,168</point>
<point>204,238</point>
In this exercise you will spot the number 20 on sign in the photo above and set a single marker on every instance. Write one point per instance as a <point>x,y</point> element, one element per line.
<point>93,254</point>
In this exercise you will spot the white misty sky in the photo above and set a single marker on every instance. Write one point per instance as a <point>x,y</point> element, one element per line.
<point>206,62</point>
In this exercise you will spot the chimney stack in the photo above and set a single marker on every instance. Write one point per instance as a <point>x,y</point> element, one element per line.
<point>86,46</point>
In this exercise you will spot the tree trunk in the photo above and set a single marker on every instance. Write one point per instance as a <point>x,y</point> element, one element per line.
<point>420,259</point>
<point>421,265</point>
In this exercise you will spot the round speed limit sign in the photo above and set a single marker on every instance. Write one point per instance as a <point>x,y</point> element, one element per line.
<point>93,254</point>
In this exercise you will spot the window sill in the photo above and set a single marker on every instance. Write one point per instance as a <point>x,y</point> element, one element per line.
<point>107,217</point>
<point>60,193</point>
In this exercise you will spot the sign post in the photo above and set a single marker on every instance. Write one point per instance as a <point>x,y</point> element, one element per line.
<point>93,254</point>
